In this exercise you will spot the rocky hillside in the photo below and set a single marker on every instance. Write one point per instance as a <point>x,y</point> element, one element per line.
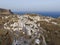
<point>29,29</point>
<point>5,11</point>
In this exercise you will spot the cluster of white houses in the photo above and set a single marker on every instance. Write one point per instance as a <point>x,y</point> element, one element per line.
<point>27,24</point>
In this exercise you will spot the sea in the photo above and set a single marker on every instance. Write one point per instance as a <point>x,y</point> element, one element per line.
<point>50,14</point>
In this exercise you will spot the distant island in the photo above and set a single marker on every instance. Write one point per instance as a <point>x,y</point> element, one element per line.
<point>50,14</point>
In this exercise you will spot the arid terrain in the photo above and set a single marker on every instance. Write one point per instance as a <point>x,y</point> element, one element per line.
<point>28,29</point>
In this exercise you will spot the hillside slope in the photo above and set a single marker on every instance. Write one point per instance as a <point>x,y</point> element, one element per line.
<point>29,29</point>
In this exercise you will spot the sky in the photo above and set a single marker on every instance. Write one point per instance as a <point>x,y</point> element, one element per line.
<point>31,5</point>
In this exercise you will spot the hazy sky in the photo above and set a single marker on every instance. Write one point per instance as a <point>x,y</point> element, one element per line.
<point>31,5</point>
